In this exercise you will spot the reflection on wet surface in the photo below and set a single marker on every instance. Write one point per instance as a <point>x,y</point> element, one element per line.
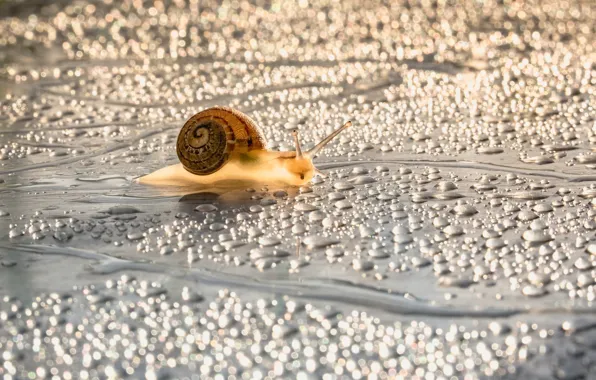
<point>453,235</point>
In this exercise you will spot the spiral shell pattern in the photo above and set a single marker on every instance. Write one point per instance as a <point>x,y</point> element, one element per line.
<point>207,140</point>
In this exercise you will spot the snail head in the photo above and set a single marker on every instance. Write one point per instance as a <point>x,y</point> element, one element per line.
<point>301,165</point>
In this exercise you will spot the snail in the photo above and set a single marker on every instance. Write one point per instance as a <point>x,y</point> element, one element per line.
<point>222,145</point>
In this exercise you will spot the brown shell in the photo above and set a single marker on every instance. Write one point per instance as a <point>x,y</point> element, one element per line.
<point>207,139</point>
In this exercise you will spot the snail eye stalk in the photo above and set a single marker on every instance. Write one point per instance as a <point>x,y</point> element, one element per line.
<point>297,143</point>
<point>314,151</point>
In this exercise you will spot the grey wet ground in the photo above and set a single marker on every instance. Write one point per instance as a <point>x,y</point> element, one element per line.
<point>452,238</point>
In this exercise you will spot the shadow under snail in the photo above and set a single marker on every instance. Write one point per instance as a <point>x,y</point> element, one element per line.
<point>223,145</point>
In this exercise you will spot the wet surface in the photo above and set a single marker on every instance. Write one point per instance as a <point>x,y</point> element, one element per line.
<point>453,235</point>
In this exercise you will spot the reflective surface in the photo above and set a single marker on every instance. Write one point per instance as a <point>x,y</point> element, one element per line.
<point>453,235</point>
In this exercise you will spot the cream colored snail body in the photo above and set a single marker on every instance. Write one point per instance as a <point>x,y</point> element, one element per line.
<point>223,146</point>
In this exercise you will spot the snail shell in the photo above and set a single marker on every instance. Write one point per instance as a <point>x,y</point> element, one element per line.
<point>209,138</point>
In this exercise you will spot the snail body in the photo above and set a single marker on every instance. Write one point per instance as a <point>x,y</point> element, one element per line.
<point>221,145</point>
